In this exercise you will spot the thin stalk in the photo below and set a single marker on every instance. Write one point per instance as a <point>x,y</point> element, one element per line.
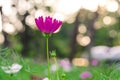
<point>56,68</point>
<point>48,59</point>
<point>11,76</point>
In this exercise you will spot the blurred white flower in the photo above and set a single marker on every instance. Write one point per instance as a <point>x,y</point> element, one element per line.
<point>46,78</point>
<point>114,53</point>
<point>53,68</point>
<point>11,69</point>
<point>105,53</point>
<point>100,52</point>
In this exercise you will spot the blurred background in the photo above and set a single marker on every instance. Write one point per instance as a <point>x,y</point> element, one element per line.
<point>86,23</point>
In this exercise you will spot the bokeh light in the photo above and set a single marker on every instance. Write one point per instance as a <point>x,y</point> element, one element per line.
<point>0,23</point>
<point>19,26</point>
<point>15,11</point>
<point>97,25</point>
<point>82,29</point>
<point>39,12</point>
<point>2,39</point>
<point>112,6</point>
<point>9,28</point>
<point>60,8</point>
<point>88,5</point>
<point>59,16</point>
<point>107,20</point>
<point>112,33</point>
<point>67,7</point>
<point>6,7</point>
<point>83,40</point>
<point>80,62</point>
<point>30,21</point>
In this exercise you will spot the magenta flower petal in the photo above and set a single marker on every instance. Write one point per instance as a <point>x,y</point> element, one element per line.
<point>47,25</point>
<point>40,24</point>
<point>56,25</point>
<point>37,23</point>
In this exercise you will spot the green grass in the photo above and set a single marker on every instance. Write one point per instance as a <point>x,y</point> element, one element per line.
<point>30,67</point>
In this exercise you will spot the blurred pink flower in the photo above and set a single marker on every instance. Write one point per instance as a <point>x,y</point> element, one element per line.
<point>85,75</point>
<point>47,25</point>
<point>94,62</point>
<point>65,64</point>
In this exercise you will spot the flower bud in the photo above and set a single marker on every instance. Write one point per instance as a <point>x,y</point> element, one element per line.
<point>53,54</point>
<point>63,75</point>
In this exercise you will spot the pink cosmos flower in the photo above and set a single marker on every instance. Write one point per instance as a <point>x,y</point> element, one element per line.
<point>65,64</point>
<point>85,75</point>
<point>47,25</point>
<point>94,62</point>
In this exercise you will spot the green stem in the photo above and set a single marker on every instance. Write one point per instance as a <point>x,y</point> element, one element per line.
<point>11,76</point>
<point>56,68</point>
<point>48,59</point>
